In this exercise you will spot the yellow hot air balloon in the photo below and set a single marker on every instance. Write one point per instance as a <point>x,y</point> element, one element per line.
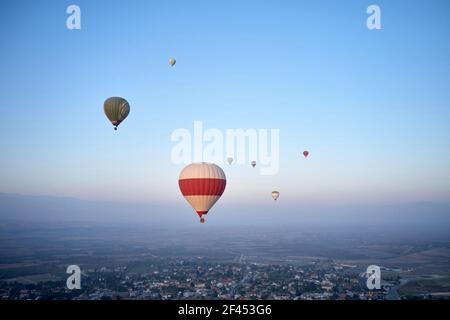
<point>275,195</point>
<point>116,109</point>
<point>172,62</point>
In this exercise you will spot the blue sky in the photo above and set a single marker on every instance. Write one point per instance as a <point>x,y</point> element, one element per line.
<point>371,106</point>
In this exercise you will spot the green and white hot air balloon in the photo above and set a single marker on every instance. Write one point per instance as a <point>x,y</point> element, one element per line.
<point>116,109</point>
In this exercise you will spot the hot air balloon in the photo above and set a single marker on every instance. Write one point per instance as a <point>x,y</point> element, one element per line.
<point>230,160</point>
<point>306,153</point>
<point>116,109</point>
<point>202,184</point>
<point>275,195</point>
<point>253,163</point>
<point>172,62</point>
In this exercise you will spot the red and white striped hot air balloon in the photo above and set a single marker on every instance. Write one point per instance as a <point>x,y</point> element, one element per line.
<point>202,184</point>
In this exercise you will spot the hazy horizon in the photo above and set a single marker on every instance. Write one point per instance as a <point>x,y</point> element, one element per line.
<point>414,220</point>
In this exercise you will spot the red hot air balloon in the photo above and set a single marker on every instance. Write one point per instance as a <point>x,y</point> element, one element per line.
<point>306,153</point>
<point>202,184</point>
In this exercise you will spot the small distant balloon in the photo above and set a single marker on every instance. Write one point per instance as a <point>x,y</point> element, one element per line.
<point>230,160</point>
<point>253,163</point>
<point>275,195</point>
<point>306,153</point>
<point>172,62</point>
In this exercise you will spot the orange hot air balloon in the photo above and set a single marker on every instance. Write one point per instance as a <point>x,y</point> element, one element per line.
<point>306,153</point>
<point>202,184</point>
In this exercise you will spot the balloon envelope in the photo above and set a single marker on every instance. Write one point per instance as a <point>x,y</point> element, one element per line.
<point>253,163</point>
<point>230,160</point>
<point>172,62</point>
<point>116,109</point>
<point>202,184</point>
<point>306,153</point>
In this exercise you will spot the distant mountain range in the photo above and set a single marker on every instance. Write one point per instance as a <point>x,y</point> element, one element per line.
<point>430,217</point>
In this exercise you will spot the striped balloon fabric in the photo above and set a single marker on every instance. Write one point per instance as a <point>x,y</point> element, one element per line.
<point>202,184</point>
<point>116,109</point>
